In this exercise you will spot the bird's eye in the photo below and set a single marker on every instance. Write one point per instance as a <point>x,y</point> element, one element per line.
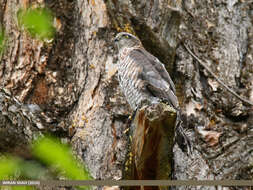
<point>127,36</point>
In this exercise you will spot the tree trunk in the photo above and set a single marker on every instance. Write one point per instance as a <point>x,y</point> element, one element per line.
<point>73,79</point>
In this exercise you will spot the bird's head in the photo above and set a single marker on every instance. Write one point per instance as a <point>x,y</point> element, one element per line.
<point>124,39</point>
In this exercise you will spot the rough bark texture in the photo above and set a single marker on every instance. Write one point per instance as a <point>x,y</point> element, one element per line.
<point>17,126</point>
<point>74,81</point>
<point>221,34</point>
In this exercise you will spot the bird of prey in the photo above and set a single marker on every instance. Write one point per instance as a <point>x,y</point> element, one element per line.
<point>142,77</point>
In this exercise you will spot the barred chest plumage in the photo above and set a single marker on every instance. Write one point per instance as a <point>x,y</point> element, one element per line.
<point>131,85</point>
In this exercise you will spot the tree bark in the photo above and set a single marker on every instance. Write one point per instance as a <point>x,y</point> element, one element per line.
<point>73,79</point>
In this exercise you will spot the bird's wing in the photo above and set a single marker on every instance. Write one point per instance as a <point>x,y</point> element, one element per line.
<point>157,79</point>
<point>160,68</point>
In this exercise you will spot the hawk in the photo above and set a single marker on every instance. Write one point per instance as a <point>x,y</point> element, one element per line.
<point>142,77</point>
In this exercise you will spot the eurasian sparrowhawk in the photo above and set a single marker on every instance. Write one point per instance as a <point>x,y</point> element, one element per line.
<point>142,77</point>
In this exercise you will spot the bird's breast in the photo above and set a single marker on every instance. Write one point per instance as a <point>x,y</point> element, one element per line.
<point>131,85</point>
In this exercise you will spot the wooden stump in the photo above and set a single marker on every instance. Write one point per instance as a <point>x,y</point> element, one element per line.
<point>151,144</point>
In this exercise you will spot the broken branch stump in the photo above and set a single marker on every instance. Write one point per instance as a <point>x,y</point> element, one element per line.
<point>151,143</point>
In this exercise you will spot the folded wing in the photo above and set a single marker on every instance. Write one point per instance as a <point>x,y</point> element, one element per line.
<point>156,78</point>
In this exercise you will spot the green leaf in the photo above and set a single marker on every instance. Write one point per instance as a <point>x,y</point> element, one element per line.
<point>57,155</point>
<point>8,167</point>
<point>33,170</point>
<point>38,22</point>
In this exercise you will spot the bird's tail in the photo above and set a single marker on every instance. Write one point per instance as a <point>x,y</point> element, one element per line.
<point>181,137</point>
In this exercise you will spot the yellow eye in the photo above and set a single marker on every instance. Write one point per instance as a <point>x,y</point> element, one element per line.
<point>127,36</point>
